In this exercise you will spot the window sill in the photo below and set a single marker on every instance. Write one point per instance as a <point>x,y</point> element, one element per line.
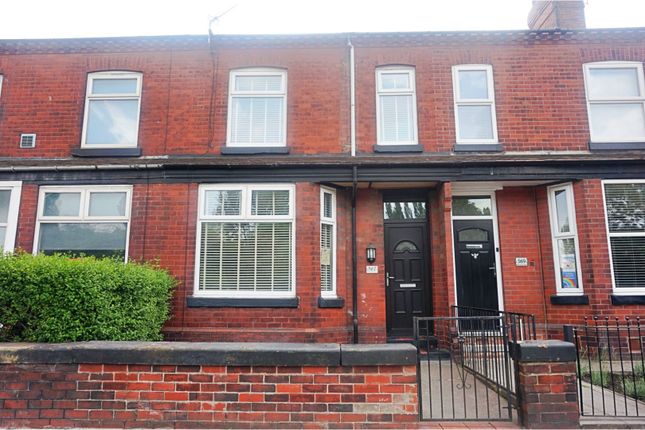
<point>617,146</point>
<point>254,150</point>
<point>617,299</point>
<point>106,152</point>
<point>222,302</point>
<point>569,300</point>
<point>478,147</point>
<point>398,148</point>
<point>331,302</point>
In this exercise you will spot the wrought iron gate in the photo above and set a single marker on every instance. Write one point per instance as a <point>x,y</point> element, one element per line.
<point>464,368</point>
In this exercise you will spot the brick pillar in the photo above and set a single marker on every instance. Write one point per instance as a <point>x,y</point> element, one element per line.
<point>546,384</point>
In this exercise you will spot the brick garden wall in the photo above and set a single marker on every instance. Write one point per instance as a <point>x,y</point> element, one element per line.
<point>96,395</point>
<point>321,393</point>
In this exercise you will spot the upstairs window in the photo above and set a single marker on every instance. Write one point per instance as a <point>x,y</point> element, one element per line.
<point>327,242</point>
<point>84,221</point>
<point>257,108</point>
<point>112,106</point>
<point>245,241</point>
<point>9,205</point>
<point>625,210</point>
<point>615,101</point>
<point>1,78</point>
<point>475,119</point>
<point>564,235</point>
<point>396,106</point>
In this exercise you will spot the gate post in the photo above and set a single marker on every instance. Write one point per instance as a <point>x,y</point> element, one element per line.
<point>547,394</point>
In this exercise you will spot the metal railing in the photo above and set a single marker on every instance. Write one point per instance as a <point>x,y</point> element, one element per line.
<point>610,366</point>
<point>464,368</point>
<point>522,326</point>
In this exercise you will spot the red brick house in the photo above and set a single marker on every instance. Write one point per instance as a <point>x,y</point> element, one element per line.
<point>331,187</point>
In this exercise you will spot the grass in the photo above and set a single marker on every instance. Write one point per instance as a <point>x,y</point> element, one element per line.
<point>632,383</point>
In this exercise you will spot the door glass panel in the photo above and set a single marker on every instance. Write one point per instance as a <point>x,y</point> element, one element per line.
<point>406,245</point>
<point>562,211</point>
<point>473,235</point>
<point>471,206</point>
<point>404,210</point>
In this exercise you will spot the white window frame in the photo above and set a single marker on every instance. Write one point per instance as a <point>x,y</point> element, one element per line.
<point>412,91</point>
<point>490,101</point>
<point>89,97</point>
<point>611,100</point>
<point>1,82</point>
<point>83,216</point>
<point>232,93</point>
<point>556,235</point>
<point>245,216</point>
<point>15,187</point>
<point>619,291</point>
<point>332,222</point>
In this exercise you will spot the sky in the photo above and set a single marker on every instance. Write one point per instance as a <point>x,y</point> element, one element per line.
<point>28,19</point>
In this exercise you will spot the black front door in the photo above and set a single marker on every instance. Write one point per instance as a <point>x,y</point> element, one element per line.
<point>475,264</point>
<point>406,265</point>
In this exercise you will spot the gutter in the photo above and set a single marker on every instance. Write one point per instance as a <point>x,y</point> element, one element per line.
<point>354,258</point>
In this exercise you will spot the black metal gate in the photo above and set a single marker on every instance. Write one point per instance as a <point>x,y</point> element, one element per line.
<point>464,368</point>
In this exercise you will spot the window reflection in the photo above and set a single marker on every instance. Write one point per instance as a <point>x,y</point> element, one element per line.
<point>471,206</point>
<point>404,210</point>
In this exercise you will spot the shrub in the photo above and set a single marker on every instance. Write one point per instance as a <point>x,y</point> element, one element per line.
<point>61,299</point>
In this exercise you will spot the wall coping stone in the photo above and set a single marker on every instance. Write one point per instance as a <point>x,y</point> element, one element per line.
<point>540,351</point>
<point>371,355</point>
<point>207,353</point>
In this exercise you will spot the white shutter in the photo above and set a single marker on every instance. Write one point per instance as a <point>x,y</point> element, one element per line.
<point>628,257</point>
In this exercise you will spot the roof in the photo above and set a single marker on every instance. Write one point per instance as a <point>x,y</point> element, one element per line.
<point>299,161</point>
<point>198,42</point>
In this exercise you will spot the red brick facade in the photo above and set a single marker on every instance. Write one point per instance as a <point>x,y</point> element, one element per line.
<point>541,113</point>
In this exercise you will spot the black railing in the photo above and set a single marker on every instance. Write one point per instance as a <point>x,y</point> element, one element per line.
<point>610,366</point>
<point>464,368</point>
<point>522,326</point>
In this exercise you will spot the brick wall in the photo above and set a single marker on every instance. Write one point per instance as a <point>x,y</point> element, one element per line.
<point>216,395</point>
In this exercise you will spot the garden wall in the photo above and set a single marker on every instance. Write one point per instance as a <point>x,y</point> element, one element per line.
<point>221,385</point>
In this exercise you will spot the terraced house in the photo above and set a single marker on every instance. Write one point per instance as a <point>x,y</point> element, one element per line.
<point>331,187</point>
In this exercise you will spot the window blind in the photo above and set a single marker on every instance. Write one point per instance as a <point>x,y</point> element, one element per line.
<point>625,203</point>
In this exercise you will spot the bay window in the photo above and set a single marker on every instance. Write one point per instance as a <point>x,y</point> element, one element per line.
<point>564,235</point>
<point>245,241</point>
<point>9,205</point>
<point>327,242</point>
<point>625,216</point>
<point>91,221</point>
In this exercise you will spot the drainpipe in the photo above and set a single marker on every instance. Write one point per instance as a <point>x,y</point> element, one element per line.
<point>354,257</point>
<point>352,98</point>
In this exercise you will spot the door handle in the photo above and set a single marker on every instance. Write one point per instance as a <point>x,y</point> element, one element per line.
<point>387,279</point>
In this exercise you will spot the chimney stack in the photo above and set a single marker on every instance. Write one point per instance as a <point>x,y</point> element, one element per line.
<point>562,14</point>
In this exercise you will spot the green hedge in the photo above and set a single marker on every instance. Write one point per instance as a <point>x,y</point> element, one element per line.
<point>62,299</point>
